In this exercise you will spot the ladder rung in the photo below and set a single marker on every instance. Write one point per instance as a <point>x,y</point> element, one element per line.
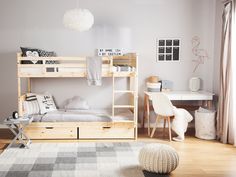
<point>123,91</point>
<point>123,106</point>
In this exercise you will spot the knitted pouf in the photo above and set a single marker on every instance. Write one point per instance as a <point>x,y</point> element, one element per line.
<point>159,158</point>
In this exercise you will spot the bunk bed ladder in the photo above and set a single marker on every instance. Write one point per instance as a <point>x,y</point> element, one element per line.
<point>132,91</point>
<point>113,95</point>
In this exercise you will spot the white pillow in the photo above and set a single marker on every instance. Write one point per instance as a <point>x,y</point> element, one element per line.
<point>31,107</point>
<point>46,103</point>
<point>77,103</point>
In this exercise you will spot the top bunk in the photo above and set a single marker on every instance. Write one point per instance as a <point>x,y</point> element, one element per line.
<point>41,67</point>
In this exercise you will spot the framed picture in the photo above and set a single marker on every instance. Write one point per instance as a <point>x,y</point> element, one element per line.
<point>168,49</point>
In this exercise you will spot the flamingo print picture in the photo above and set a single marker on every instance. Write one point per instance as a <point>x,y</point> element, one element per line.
<point>200,54</point>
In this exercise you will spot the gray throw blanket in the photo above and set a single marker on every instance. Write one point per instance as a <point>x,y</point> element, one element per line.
<point>94,71</point>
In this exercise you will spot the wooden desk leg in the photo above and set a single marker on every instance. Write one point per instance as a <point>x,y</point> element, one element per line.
<point>168,120</point>
<point>148,113</point>
<point>164,128</point>
<point>144,111</point>
<point>209,104</point>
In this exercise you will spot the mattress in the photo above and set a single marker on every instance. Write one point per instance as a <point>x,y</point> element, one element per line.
<point>102,115</point>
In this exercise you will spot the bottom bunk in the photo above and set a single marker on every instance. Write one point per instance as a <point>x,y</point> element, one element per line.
<point>83,124</point>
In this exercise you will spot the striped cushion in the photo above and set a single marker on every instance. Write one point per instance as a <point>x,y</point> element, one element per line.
<point>31,107</point>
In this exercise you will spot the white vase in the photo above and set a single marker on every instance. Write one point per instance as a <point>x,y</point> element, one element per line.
<point>194,84</point>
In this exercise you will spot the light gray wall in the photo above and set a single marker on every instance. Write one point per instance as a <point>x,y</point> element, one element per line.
<point>132,25</point>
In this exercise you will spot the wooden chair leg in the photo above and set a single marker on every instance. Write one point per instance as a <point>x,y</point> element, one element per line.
<point>148,122</point>
<point>164,127</point>
<point>154,128</point>
<point>168,119</point>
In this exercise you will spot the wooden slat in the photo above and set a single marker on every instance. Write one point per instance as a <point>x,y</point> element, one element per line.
<point>113,96</point>
<point>67,124</point>
<point>58,58</point>
<point>75,74</point>
<point>124,91</point>
<point>62,65</point>
<point>123,106</point>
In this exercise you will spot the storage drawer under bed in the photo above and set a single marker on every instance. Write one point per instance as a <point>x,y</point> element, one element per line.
<point>85,130</point>
<point>114,131</point>
<point>51,132</point>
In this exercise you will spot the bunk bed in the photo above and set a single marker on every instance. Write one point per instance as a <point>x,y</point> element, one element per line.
<point>85,124</point>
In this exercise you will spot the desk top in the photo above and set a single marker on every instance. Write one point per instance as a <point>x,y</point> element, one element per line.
<point>185,95</point>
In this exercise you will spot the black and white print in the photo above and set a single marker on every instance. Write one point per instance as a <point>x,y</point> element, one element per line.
<point>168,50</point>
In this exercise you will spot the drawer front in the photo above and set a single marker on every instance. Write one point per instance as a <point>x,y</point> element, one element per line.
<point>106,133</point>
<point>51,132</point>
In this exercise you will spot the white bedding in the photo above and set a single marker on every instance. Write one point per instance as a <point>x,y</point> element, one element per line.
<point>102,115</point>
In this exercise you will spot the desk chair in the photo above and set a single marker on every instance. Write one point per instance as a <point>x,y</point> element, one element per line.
<point>164,110</point>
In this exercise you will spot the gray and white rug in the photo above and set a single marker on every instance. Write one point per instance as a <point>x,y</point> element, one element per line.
<point>72,160</point>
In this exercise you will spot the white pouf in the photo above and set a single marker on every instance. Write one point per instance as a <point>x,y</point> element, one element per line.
<point>159,158</point>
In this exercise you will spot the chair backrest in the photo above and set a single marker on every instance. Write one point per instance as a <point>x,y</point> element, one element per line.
<point>162,105</point>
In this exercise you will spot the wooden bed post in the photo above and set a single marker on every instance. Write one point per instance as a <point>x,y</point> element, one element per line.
<point>113,95</point>
<point>133,84</point>
<point>136,97</point>
<point>29,85</point>
<point>20,108</point>
<point>19,85</point>
<point>113,85</point>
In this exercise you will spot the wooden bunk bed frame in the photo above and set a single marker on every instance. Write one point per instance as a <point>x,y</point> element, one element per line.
<point>123,129</point>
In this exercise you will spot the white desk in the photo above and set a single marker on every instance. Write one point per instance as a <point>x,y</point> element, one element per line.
<point>185,95</point>
<point>206,97</point>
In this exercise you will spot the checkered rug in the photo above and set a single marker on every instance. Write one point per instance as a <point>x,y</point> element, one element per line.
<point>72,160</point>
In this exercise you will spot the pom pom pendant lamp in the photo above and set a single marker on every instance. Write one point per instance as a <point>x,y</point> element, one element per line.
<point>78,19</point>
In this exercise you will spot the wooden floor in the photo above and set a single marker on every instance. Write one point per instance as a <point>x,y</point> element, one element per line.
<point>198,158</point>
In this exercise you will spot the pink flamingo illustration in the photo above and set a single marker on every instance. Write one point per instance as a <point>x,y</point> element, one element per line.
<point>201,54</point>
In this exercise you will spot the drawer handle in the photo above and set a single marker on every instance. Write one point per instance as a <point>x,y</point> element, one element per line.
<point>49,127</point>
<point>106,127</point>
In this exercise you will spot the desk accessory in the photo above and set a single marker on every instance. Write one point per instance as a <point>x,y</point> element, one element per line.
<point>194,84</point>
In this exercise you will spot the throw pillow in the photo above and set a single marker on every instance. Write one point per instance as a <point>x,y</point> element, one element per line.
<point>43,53</point>
<point>46,103</point>
<point>77,103</point>
<point>31,107</point>
<point>30,52</point>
